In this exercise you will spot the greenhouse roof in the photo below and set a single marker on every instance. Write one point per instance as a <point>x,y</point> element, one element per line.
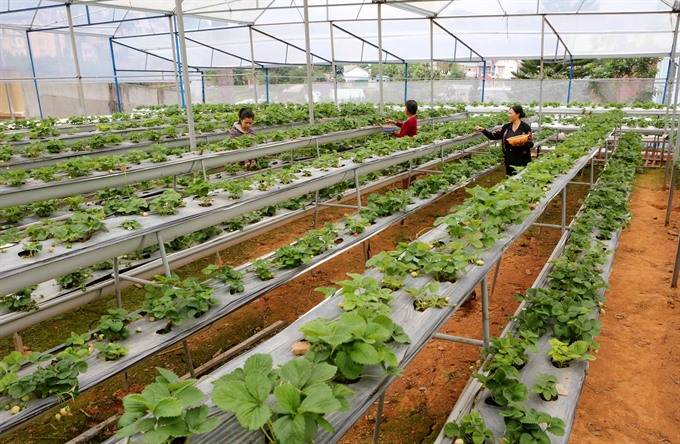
<point>346,31</point>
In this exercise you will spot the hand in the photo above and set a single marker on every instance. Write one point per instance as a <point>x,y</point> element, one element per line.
<point>391,121</point>
<point>479,129</point>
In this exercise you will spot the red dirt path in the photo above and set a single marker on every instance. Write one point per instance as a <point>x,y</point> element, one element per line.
<point>632,390</point>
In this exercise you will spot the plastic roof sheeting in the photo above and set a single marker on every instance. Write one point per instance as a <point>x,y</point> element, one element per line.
<point>464,30</point>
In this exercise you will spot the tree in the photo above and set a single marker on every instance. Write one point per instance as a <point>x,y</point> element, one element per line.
<point>644,67</point>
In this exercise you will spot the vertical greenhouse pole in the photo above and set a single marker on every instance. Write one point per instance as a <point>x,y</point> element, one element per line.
<point>74,49</point>
<point>483,80</point>
<point>266,85</point>
<point>9,102</point>
<point>540,86</point>
<point>668,90</point>
<point>432,62</point>
<point>174,62</point>
<point>405,82</point>
<point>185,73</point>
<point>571,79</point>
<point>308,59</point>
<point>252,63</point>
<point>119,103</point>
<point>380,60</point>
<point>334,66</point>
<point>35,79</point>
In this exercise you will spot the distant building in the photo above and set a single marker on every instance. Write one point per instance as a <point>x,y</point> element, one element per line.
<point>495,69</point>
<point>355,73</point>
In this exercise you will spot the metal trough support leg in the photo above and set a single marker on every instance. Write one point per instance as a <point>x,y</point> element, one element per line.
<point>18,342</point>
<point>495,275</point>
<point>187,356</point>
<point>592,171</point>
<point>378,418</point>
<point>318,151</point>
<point>676,268</point>
<point>116,282</point>
<point>164,256</point>
<point>316,208</point>
<point>485,312</point>
<point>358,189</point>
<point>564,209</point>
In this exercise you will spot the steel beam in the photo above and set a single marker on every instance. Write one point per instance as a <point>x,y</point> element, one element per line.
<point>185,73</point>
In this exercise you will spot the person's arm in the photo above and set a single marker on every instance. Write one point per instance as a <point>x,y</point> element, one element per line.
<point>494,135</point>
<point>399,123</point>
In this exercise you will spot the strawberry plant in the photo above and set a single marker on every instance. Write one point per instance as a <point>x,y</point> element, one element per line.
<point>504,385</point>
<point>364,292</point>
<point>356,224</point>
<point>175,299</point>
<point>12,363</point>
<point>131,224</point>
<point>302,396</point>
<point>529,426</point>
<point>113,325</point>
<point>168,408</point>
<point>125,207</point>
<point>59,378</point>
<point>198,187</point>
<point>20,300</point>
<point>14,178</point>
<point>111,351</point>
<point>14,214</point>
<point>30,249</point>
<point>545,387</point>
<point>167,203</point>
<point>227,275</point>
<point>470,429</point>
<point>508,351</point>
<point>81,226</point>
<point>45,208</point>
<point>75,279</point>
<point>427,297</point>
<point>563,354</point>
<point>262,269</point>
<point>394,270</point>
<point>353,340</point>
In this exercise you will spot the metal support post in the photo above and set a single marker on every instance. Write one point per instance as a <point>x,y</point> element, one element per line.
<point>458,339</point>
<point>564,209</point>
<point>180,87</point>
<point>76,63</point>
<point>18,343</point>
<point>483,80</point>
<point>202,87</point>
<point>671,187</point>
<point>185,73</point>
<point>541,75</point>
<point>672,128</point>
<point>308,60</point>
<point>571,79</point>
<point>378,418</point>
<point>670,73</point>
<point>592,172</point>
<point>431,62</point>
<point>357,188</point>
<point>175,64</point>
<point>676,267</point>
<point>164,256</point>
<point>35,80</point>
<point>266,84</point>
<point>485,312</point>
<point>316,208</point>
<point>380,60</point>
<point>119,103</point>
<point>495,275</point>
<point>116,282</point>
<point>187,356</point>
<point>253,74</point>
<point>405,82</point>
<point>334,66</point>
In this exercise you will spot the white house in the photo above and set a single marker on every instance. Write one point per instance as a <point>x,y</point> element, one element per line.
<point>355,73</point>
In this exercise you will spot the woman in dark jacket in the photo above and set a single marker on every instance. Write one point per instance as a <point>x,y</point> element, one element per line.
<point>517,139</point>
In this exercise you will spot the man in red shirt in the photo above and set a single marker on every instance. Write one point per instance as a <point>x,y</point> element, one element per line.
<point>409,127</point>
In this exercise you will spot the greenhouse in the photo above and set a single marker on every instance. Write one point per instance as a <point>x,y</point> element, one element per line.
<point>321,221</point>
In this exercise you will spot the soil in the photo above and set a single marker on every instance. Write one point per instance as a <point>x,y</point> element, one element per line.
<point>632,390</point>
<point>431,382</point>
